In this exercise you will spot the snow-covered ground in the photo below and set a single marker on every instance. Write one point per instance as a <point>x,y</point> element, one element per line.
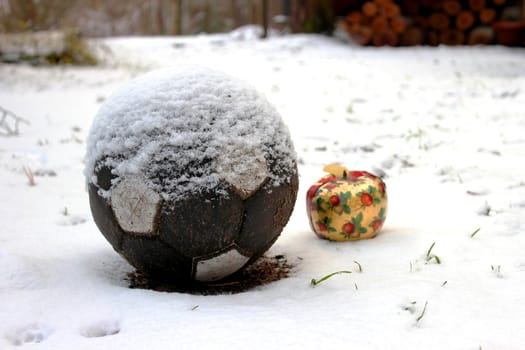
<point>444,126</point>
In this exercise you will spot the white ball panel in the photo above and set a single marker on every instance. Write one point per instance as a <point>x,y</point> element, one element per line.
<point>220,266</point>
<point>135,206</point>
<point>244,167</point>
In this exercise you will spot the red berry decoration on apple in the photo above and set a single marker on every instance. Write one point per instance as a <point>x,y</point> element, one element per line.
<point>347,205</point>
<point>367,199</point>
<point>322,226</point>
<point>334,200</point>
<point>348,228</point>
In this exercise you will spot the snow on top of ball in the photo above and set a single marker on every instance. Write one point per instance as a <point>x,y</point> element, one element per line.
<point>190,129</point>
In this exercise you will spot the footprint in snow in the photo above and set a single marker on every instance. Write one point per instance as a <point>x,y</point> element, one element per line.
<point>19,272</point>
<point>101,329</point>
<point>30,333</point>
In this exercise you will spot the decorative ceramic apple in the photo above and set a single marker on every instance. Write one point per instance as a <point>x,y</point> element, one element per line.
<point>346,205</point>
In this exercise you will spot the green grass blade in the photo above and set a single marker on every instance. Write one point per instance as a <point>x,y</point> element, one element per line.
<point>422,312</point>
<point>315,282</point>
<point>430,249</point>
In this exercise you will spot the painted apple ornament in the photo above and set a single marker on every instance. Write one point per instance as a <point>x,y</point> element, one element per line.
<point>346,205</point>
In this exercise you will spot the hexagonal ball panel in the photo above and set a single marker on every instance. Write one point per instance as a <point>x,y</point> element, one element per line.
<point>217,267</point>
<point>202,224</point>
<point>136,206</point>
<point>244,177</point>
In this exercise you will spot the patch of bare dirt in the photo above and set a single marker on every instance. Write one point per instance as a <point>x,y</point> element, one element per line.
<point>263,271</point>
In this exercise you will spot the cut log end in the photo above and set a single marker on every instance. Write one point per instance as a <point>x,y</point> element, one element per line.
<point>439,21</point>
<point>487,16</point>
<point>390,10</point>
<point>452,7</point>
<point>380,25</point>
<point>399,24</point>
<point>354,18</point>
<point>476,5</point>
<point>465,20</point>
<point>369,9</point>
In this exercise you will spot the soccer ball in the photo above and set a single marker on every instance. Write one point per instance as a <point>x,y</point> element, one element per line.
<point>191,174</point>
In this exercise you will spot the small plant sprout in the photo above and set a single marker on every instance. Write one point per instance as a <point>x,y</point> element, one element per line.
<point>422,314</point>
<point>410,307</point>
<point>359,266</point>
<point>430,249</point>
<point>497,270</point>
<point>485,209</point>
<point>30,176</point>
<point>435,257</point>
<point>431,256</point>
<point>315,282</point>
<point>475,232</point>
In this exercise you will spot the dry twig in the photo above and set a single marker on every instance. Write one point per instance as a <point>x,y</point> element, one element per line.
<point>10,122</point>
<point>30,176</point>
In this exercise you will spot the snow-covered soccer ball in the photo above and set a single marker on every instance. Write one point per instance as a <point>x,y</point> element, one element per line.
<point>191,174</point>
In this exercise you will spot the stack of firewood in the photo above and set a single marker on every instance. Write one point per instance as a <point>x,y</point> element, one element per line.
<point>457,22</point>
<point>378,22</point>
<point>417,22</point>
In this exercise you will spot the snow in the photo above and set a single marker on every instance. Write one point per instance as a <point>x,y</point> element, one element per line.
<point>444,126</point>
<point>186,128</point>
